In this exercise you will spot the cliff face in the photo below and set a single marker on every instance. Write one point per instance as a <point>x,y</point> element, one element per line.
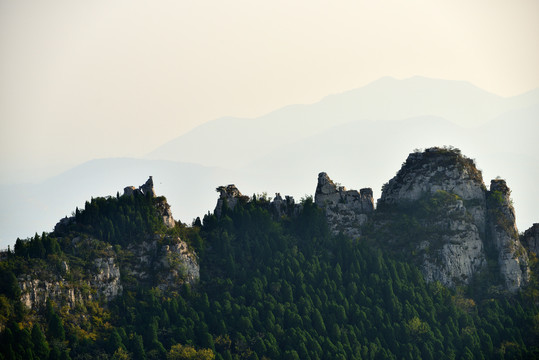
<point>67,285</point>
<point>164,262</point>
<point>346,210</point>
<point>438,211</point>
<point>449,190</point>
<point>436,169</point>
<point>512,257</point>
<point>98,270</point>
<point>530,239</point>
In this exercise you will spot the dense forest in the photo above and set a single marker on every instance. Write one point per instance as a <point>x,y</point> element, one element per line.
<point>270,288</point>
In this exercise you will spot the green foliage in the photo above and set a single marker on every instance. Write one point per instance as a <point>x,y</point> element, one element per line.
<point>117,220</point>
<point>270,289</point>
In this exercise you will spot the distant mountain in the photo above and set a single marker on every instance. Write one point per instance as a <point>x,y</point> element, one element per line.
<point>223,142</point>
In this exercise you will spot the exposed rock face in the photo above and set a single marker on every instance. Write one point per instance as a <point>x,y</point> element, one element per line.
<point>166,264</point>
<point>530,239</point>
<point>228,195</point>
<point>346,210</point>
<point>45,284</point>
<point>438,169</point>
<point>462,221</point>
<point>107,278</point>
<point>455,252</point>
<point>512,257</point>
<point>36,291</point>
<point>286,206</point>
<point>164,210</point>
<point>145,189</point>
<point>180,262</point>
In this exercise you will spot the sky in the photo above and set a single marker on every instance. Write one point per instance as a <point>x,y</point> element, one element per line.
<point>91,79</point>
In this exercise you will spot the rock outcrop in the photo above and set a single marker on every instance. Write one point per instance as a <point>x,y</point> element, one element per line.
<point>286,206</point>
<point>228,196</point>
<point>530,239</point>
<point>438,169</point>
<point>162,206</point>
<point>458,218</point>
<point>145,189</point>
<point>106,278</point>
<point>445,192</point>
<point>164,262</point>
<point>102,281</point>
<point>512,257</point>
<point>346,210</point>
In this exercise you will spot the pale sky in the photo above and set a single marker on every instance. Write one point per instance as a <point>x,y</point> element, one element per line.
<point>91,79</point>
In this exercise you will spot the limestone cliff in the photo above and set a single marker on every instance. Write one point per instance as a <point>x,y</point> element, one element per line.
<point>439,203</point>
<point>165,262</point>
<point>68,285</point>
<point>228,196</point>
<point>512,257</point>
<point>93,265</point>
<point>346,210</point>
<point>530,239</point>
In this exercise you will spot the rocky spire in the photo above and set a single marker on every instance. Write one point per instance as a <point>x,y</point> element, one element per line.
<point>512,257</point>
<point>346,210</point>
<point>146,188</point>
<point>229,195</point>
<point>530,239</point>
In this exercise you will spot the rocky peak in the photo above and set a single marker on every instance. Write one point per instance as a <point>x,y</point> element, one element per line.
<point>346,210</point>
<point>503,234</point>
<point>482,220</point>
<point>530,239</point>
<point>432,170</point>
<point>144,189</point>
<point>286,206</point>
<point>228,196</point>
<point>162,206</point>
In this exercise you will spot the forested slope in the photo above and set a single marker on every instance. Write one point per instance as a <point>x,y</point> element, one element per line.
<point>270,287</point>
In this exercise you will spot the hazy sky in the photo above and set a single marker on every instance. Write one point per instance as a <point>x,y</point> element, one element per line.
<point>89,79</point>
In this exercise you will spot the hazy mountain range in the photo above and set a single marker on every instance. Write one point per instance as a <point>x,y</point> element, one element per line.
<point>360,138</point>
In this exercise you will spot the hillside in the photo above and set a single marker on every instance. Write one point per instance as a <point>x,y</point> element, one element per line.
<point>326,278</point>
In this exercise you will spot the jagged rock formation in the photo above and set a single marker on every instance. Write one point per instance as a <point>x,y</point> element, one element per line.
<point>456,223</point>
<point>163,207</point>
<point>530,239</point>
<point>102,280</point>
<point>438,169</point>
<point>165,263</point>
<point>512,257</point>
<point>107,277</point>
<point>164,211</point>
<point>35,292</point>
<point>145,189</point>
<point>152,259</point>
<point>346,210</point>
<point>228,196</point>
<point>284,207</point>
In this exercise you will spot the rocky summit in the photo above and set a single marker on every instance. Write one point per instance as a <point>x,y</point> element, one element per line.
<point>436,209</point>
<point>346,210</point>
<point>460,224</point>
